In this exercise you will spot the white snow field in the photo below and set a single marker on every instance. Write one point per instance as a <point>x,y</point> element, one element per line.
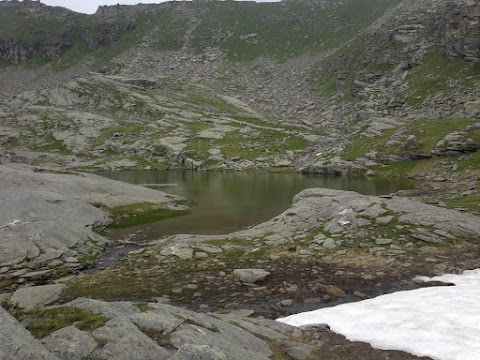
<point>441,322</point>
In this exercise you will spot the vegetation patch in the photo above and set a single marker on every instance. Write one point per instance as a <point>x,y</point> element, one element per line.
<point>143,307</point>
<point>362,145</point>
<point>140,213</point>
<point>435,75</point>
<point>42,322</point>
<point>158,336</point>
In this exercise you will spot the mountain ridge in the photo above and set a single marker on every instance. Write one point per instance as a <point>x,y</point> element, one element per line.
<point>347,75</point>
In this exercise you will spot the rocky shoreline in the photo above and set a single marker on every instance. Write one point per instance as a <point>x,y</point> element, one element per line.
<point>328,248</point>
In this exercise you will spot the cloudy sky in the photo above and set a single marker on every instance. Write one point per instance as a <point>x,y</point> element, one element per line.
<point>90,6</point>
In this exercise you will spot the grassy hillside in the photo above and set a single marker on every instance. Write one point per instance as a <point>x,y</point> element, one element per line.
<point>243,30</point>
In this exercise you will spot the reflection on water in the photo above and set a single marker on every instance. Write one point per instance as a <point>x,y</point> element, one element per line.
<point>225,202</point>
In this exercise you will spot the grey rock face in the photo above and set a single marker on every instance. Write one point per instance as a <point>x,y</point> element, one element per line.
<point>410,143</point>
<point>472,107</point>
<point>89,188</point>
<point>32,222</point>
<point>125,342</point>
<point>17,343</point>
<point>199,352</point>
<point>110,310</point>
<point>456,142</point>
<point>70,343</point>
<point>46,222</point>
<point>196,336</point>
<point>29,297</point>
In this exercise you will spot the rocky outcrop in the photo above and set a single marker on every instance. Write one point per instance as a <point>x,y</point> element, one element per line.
<point>134,334</point>
<point>18,343</point>
<point>43,231</point>
<point>456,143</point>
<point>47,222</point>
<point>88,188</point>
<point>17,51</point>
<point>462,30</point>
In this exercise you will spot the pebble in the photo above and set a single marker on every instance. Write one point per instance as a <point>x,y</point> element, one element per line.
<point>383,241</point>
<point>191,287</point>
<point>286,303</point>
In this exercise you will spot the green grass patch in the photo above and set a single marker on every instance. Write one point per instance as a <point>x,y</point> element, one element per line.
<point>362,145</point>
<point>143,307</point>
<point>158,336</point>
<point>435,73</point>
<point>246,31</point>
<point>430,132</point>
<point>140,213</point>
<point>470,202</point>
<point>42,322</point>
<point>200,146</point>
<point>210,102</point>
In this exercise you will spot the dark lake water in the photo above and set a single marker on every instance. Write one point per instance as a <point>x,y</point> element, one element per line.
<point>225,202</point>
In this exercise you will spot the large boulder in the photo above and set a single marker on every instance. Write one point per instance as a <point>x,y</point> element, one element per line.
<point>454,143</point>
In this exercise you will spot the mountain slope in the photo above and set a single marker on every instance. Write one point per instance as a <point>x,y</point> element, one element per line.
<point>355,79</point>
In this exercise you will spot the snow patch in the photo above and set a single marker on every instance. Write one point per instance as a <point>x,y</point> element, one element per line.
<point>441,322</point>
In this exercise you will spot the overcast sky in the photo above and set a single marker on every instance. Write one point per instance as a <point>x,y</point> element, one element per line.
<point>90,6</point>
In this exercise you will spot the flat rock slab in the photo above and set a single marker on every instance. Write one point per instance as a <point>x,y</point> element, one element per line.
<point>89,188</point>
<point>47,222</point>
<point>32,222</point>
<point>30,297</point>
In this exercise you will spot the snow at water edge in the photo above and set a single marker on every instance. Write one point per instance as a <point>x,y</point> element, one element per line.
<point>441,322</point>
